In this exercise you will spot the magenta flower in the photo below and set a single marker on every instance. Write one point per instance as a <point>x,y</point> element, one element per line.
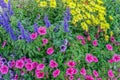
<point>112,39</point>
<point>53,64</point>
<point>116,58</point>
<point>79,37</point>
<point>83,42</point>
<point>89,58</point>
<point>71,64</point>
<point>71,77</point>
<point>50,51</point>
<point>95,43</point>
<point>44,41</point>
<point>12,64</point>
<point>83,71</point>
<point>95,59</point>
<point>19,64</point>
<point>75,71</point>
<point>111,61</point>
<point>69,71</point>
<point>89,77</point>
<point>28,66</point>
<point>28,60</point>
<point>78,78</point>
<point>98,78</point>
<point>109,47</point>
<point>40,75</point>
<point>40,66</point>
<point>110,73</point>
<point>56,73</point>
<point>42,30</point>
<point>34,64</point>
<point>95,73</point>
<point>33,36</point>
<point>4,69</point>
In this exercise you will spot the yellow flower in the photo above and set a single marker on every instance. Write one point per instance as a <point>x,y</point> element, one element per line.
<point>111,18</point>
<point>111,33</point>
<point>106,38</point>
<point>43,4</point>
<point>6,1</point>
<point>53,3</point>
<point>37,1</point>
<point>72,5</point>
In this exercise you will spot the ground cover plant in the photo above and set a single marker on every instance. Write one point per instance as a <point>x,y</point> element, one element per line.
<point>59,40</point>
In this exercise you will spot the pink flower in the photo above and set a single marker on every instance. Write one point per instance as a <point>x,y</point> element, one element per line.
<point>40,66</point>
<point>78,78</point>
<point>116,58</point>
<point>83,42</point>
<point>23,58</point>
<point>95,43</point>
<point>75,71</point>
<point>95,73</point>
<point>19,64</point>
<point>42,30</point>
<point>53,64</point>
<point>110,73</point>
<point>111,61</point>
<point>71,64</point>
<point>40,75</point>
<point>4,43</point>
<point>95,59</point>
<point>4,69</point>
<point>89,58</point>
<point>44,41</point>
<point>12,64</point>
<point>83,71</point>
<point>28,60</point>
<point>112,39</point>
<point>109,47</point>
<point>56,73</point>
<point>50,51</point>
<point>89,77</point>
<point>69,71</point>
<point>34,64</point>
<point>99,79</point>
<point>28,66</point>
<point>79,37</point>
<point>33,36</point>
<point>71,77</point>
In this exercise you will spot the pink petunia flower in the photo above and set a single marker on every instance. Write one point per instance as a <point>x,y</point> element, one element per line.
<point>56,73</point>
<point>116,58</point>
<point>83,42</point>
<point>79,37</point>
<point>40,75</point>
<point>33,36</point>
<point>42,30</point>
<point>71,77</point>
<point>40,66</point>
<point>95,59</point>
<point>83,71</point>
<point>78,78</point>
<point>98,78</point>
<point>109,47</point>
<point>4,69</point>
<point>69,71</point>
<point>12,64</point>
<point>28,66</point>
<point>75,71</point>
<point>110,73</point>
<point>44,41</point>
<point>71,63</point>
<point>34,64</point>
<point>112,39</point>
<point>95,73</point>
<point>28,60</point>
<point>89,58</point>
<point>19,64</point>
<point>111,61</point>
<point>95,43</point>
<point>89,77</point>
<point>50,51</point>
<point>53,64</point>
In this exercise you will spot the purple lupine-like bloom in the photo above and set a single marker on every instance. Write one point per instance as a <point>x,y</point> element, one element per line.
<point>47,22</point>
<point>10,8</point>
<point>66,25</point>
<point>27,37</point>
<point>35,27</point>
<point>67,14</point>
<point>22,30</point>
<point>63,48</point>
<point>3,4</point>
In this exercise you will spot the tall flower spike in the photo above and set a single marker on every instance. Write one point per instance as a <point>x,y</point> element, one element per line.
<point>10,8</point>
<point>35,27</point>
<point>47,22</point>
<point>66,25</point>
<point>67,13</point>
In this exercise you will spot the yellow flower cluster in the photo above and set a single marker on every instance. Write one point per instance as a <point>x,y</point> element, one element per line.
<point>50,3</point>
<point>6,1</point>
<point>88,13</point>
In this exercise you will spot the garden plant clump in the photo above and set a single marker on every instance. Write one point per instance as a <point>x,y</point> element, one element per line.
<point>59,40</point>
